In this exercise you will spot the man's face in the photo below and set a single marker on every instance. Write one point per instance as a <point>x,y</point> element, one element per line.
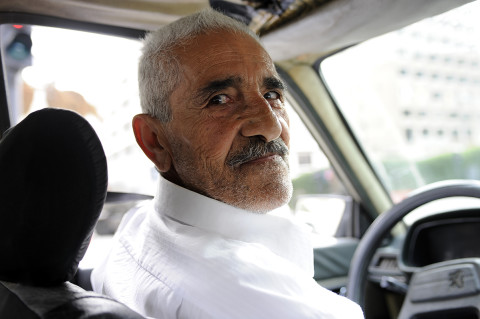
<point>229,133</point>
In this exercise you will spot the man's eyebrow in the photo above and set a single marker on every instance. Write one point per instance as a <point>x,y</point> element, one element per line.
<point>274,83</point>
<point>217,85</point>
<point>269,83</point>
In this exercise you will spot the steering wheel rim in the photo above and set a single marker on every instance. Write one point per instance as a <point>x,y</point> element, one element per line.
<point>384,223</point>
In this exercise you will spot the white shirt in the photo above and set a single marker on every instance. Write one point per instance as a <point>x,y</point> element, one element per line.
<point>188,256</point>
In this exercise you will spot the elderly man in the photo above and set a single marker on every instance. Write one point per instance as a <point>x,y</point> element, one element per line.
<point>215,126</point>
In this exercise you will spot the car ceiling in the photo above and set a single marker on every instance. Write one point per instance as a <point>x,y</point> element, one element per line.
<point>320,26</point>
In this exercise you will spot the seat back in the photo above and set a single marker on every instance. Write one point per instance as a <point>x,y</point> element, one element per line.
<point>53,183</point>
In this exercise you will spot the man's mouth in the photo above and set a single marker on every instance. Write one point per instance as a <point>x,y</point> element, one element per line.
<point>258,151</point>
<point>266,158</point>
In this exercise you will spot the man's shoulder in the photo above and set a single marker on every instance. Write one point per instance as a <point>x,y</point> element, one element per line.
<point>162,259</point>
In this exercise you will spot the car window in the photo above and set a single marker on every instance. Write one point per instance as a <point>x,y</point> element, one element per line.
<point>412,99</point>
<point>96,76</point>
<point>318,194</point>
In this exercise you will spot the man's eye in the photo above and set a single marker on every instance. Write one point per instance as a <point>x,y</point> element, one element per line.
<point>219,99</point>
<point>272,95</point>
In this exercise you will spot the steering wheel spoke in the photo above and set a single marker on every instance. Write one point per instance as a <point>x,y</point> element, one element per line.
<point>442,287</point>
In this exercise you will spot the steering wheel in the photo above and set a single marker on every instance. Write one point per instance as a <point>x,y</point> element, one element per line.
<point>384,224</point>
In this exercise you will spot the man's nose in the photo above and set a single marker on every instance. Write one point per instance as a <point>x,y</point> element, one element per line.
<point>261,120</point>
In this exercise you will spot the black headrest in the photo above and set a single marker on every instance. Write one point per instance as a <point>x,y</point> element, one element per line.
<point>53,183</point>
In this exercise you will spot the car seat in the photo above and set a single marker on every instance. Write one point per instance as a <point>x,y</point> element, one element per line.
<point>53,183</point>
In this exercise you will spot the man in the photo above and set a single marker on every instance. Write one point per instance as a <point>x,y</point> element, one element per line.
<point>215,126</point>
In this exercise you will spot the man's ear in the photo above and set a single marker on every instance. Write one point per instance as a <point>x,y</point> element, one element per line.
<point>151,138</point>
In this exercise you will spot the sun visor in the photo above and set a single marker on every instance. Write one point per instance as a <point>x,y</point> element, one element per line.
<point>146,15</point>
<point>289,28</point>
<point>341,23</point>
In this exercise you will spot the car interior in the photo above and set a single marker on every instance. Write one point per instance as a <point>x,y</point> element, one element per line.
<point>384,105</point>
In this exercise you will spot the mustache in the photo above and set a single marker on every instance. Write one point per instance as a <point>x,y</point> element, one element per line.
<point>257,148</point>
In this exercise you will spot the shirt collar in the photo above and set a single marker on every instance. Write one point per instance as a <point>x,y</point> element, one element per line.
<point>280,235</point>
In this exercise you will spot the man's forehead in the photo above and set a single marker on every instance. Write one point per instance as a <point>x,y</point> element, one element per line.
<point>224,59</point>
<point>220,46</point>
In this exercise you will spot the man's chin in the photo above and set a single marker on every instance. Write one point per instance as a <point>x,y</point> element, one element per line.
<point>265,207</point>
<point>269,187</point>
<point>265,197</point>
<point>258,187</point>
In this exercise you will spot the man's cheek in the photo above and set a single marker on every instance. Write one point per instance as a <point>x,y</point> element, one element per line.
<point>217,155</point>
<point>210,150</point>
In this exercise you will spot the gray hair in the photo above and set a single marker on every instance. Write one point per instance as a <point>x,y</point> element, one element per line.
<point>159,68</point>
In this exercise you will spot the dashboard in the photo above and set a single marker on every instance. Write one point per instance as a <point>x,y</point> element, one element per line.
<point>441,238</point>
<point>429,240</point>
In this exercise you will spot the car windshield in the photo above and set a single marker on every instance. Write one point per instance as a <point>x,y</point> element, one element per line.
<point>412,100</point>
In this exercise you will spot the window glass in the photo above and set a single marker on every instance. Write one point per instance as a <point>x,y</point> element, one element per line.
<point>412,99</point>
<point>315,183</point>
<point>96,76</point>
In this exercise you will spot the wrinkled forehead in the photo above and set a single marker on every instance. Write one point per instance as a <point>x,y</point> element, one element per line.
<point>217,37</point>
<point>221,53</point>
